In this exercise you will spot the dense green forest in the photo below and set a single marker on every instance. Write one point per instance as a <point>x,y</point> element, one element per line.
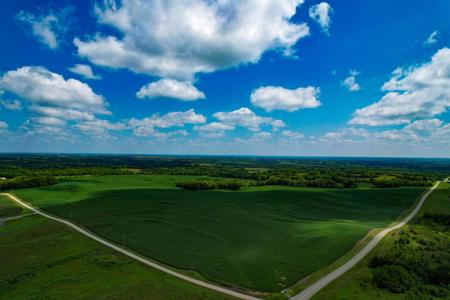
<point>28,170</point>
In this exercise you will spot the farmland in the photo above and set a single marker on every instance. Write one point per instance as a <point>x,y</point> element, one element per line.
<point>42,259</point>
<point>262,238</point>
<point>419,252</point>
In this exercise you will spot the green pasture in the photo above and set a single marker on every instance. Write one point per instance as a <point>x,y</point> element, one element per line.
<point>42,259</point>
<point>9,208</point>
<point>259,238</point>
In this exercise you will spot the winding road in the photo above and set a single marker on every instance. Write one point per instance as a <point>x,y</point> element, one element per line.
<point>318,285</point>
<point>129,253</point>
<point>304,295</point>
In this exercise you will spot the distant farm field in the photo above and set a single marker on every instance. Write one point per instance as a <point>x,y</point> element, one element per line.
<point>260,238</point>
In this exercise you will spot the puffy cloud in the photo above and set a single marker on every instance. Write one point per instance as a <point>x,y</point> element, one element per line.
<point>321,13</point>
<point>214,129</point>
<point>48,29</point>
<point>272,98</point>
<point>99,127</point>
<point>40,86</point>
<point>85,71</point>
<point>246,118</point>
<point>3,125</point>
<point>431,39</point>
<point>62,113</point>
<point>415,93</point>
<point>263,135</point>
<point>350,82</point>
<point>170,88</point>
<point>165,39</point>
<point>347,134</point>
<point>424,125</point>
<point>147,126</point>
<point>415,131</point>
<point>289,134</point>
<point>14,105</point>
<point>424,131</point>
<point>48,121</point>
<point>57,103</point>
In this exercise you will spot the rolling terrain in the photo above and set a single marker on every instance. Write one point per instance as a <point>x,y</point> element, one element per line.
<point>42,259</point>
<point>260,238</point>
<point>421,246</point>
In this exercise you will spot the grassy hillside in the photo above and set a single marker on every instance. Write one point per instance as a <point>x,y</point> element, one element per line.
<point>416,256</point>
<point>263,238</point>
<point>9,208</point>
<point>42,259</point>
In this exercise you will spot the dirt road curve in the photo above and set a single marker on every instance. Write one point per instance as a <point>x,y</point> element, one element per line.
<point>318,285</point>
<point>131,254</point>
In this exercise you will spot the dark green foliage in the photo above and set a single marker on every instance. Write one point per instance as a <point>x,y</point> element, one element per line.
<point>27,182</point>
<point>203,185</point>
<point>437,218</point>
<point>418,261</point>
<point>403,180</point>
<point>394,278</point>
<point>301,172</point>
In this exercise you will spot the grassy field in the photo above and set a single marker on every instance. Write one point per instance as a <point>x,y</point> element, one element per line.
<point>42,259</point>
<point>9,209</point>
<point>260,238</point>
<point>358,283</point>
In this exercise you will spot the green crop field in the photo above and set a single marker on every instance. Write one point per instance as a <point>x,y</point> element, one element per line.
<point>42,259</point>
<point>259,238</point>
<point>358,283</point>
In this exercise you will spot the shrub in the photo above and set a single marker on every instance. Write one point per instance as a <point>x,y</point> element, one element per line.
<point>394,278</point>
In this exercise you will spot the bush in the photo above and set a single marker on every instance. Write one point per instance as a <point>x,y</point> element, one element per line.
<point>394,278</point>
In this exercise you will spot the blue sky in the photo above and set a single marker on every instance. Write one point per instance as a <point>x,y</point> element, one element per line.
<point>256,77</point>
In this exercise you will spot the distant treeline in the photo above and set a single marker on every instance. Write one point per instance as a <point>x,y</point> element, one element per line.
<point>26,182</point>
<point>325,173</point>
<point>202,185</point>
<point>322,178</point>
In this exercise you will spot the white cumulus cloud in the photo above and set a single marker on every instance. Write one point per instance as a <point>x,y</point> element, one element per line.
<point>246,118</point>
<point>214,129</point>
<point>3,125</point>
<point>177,39</point>
<point>277,98</point>
<point>415,93</point>
<point>321,13</point>
<point>432,38</point>
<point>350,82</point>
<point>48,29</point>
<point>148,126</point>
<point>292,135</point>
<point>40,86</point>
<point>170,88</point>
<point>85,71</point>
<point>13,105</point>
